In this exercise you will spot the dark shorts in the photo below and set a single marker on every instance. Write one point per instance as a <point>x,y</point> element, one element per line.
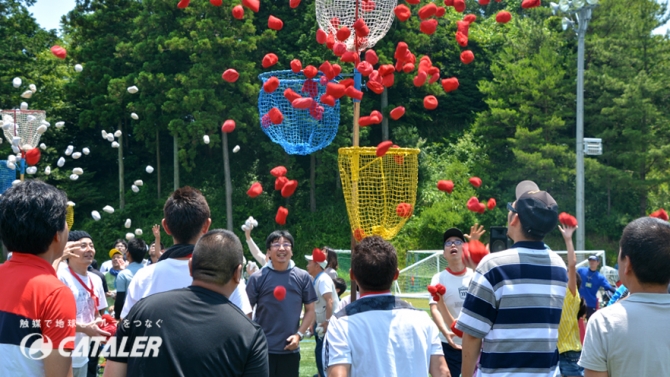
<point>284,364</point>
<point>589,312</point>
<point>454,359</point>
<point>567,362</point>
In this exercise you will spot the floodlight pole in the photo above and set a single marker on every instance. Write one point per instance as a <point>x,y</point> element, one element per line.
<point>583,17</point>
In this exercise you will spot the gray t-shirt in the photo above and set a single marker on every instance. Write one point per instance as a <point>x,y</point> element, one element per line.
<point>630,338</point>
<point>280,319</point>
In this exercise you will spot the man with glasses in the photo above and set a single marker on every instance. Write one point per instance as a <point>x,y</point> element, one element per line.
<point>456,278</point>
<point>513,307</point>
<point>280,290</point>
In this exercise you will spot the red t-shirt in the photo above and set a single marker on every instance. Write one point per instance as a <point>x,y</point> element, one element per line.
<point>33,301</point>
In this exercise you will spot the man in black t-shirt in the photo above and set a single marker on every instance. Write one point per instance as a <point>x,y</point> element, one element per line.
<point>194,331</point>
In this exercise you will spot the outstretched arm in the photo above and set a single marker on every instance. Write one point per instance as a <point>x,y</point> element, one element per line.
<point>567,232</point>
<point>255,251</point>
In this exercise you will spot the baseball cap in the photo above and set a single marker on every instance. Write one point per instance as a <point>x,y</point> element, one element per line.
<point>593,257</point>
<point>114,251</point>
<point>537,210</point>
<point>76,235</point>
<point>319,257</point>
<point>453,232</point>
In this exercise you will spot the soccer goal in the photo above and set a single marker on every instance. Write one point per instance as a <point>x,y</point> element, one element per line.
<point>413,279</point>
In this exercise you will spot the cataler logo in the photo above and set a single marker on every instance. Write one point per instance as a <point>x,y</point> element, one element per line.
<point>38,349</point>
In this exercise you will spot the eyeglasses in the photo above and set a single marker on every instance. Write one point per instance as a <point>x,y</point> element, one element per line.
<point>278,245</point>
<point>511,208</point>
<point>454,243</point>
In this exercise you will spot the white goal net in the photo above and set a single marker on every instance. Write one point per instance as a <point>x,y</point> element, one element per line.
<point>413,279</point>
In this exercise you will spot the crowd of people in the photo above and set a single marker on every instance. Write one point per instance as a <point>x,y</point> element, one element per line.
<point>199,308</point>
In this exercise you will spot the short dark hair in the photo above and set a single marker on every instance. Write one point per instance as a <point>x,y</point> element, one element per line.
<point>185,212</point>
<point>137,248</point>
<point>216,256</point>
<point>31,213</point>
<point>646,243</point>
<point>331,257</point>
<point>374,263</point>
<point>340,286</point>
<point>120,241</point>
<point>161,245</point>
<point>277,234</point>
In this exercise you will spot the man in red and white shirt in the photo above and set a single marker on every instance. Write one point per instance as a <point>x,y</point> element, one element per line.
<point>456,279</point>
<point>34,305</point>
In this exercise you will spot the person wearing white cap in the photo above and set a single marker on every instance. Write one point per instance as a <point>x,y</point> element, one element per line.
<point>327,300</point>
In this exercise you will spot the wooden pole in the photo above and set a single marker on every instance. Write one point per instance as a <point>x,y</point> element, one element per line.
<point>229,185</point>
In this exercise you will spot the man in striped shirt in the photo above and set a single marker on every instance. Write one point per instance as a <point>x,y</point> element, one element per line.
<point>511,314</point>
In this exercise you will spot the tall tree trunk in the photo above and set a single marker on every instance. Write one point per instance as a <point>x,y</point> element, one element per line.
<point>385,121</point>
<point>158,163</point>
<point>312,183</point>
<point>122,201</point>
<point>229,186</point>
<point>175,153</point>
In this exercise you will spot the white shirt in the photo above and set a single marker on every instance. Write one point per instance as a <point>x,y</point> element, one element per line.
<point>324,284</point>
<point>457,289</point>
<point>106,266</point>
<point>86,310</point>
<point>167,275</point>
<point>389,343</point>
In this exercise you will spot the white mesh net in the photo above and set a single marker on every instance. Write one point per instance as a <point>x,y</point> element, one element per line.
<point>23,128</point>
<point>378,16</point>
<point>413,279</point>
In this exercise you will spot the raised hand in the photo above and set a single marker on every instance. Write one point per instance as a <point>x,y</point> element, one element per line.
<point>476,231</point>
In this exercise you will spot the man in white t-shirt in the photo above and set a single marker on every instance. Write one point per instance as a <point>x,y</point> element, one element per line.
<point>379,335</point>
<point>88,294</point>
<point>632,337</point>
<point>185,218</point>
<point>327,300</point>
<point>456,279</point>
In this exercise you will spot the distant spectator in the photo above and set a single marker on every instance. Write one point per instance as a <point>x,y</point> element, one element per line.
<point>203,333</point>
<point>592,281</point>
<point>632,338</point>
<point>135,255</point>
<point>111,275</point>
<point>340,287</point>
<point>33,228</point>
<point>380,335</point>
<point>331,268</point>
<point>327,300</point>
<point>120,245</point>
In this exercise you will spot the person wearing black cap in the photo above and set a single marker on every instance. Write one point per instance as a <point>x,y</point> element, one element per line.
<point>592,281</point>
<point>88,293</point>
<point>513,307</point>
<point>456,279</point>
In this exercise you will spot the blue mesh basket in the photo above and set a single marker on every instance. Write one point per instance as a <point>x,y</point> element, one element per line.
<point>301,132</point>
<point>7,176</point>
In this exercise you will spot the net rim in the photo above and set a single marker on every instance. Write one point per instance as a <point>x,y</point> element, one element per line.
<point>293,77</point>
<point>368,151</point>
<point>23,111</point>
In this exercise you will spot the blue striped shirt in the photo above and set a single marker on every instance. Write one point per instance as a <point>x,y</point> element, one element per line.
<point>514,303</point>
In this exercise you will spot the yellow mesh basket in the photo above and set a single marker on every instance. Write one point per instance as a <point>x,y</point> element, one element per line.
<point>69,216</point>
<point>380,192</point>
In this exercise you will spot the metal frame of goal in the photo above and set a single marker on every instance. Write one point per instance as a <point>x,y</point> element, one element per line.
<point>413,279</point>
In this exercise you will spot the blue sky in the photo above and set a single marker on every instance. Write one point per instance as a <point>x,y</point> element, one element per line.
<point>48,13</point>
